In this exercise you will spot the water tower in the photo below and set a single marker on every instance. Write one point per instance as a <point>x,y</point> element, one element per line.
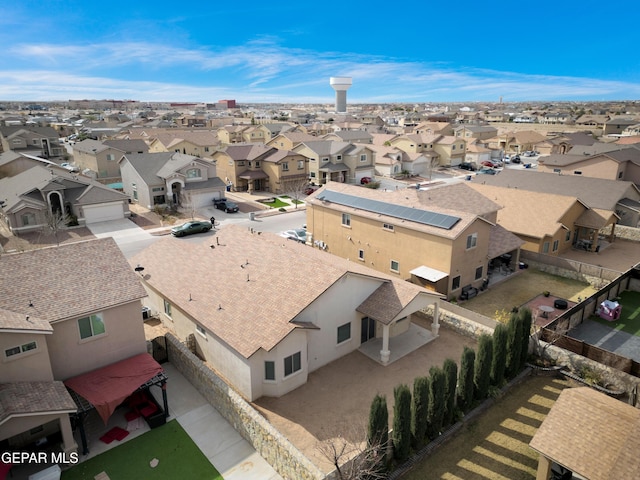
<point>340,85</point>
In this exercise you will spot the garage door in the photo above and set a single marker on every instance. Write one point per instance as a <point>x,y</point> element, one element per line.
<point>103,212</point>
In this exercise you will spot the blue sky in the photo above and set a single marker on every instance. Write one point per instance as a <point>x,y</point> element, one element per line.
<point>285,52</point>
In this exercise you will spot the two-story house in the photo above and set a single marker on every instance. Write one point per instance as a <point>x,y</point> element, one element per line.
<point>478,132</point>
<point>170,178</point>
<point>101,158</point>
<point>442,238</point>
<point>64,311</point>
<point>197,143</point>
<point>337,161</point>
<point>448,150</point>
<point>39,141</point>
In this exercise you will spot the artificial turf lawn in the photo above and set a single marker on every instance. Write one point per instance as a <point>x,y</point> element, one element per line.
<point>179,458</point>
<point>629,320</point>
<point>277,203</point>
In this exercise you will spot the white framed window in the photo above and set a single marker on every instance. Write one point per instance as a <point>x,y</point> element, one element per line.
<point>325,159</point>
<point>285,166</point>
<point>292,364</point>
<point>361,255</point>
<point>455,283</point>
<point>363,157</point>
<point>194,173</point>
<point>346,219</point>
<point>257,164</point>
<point>269,370</point>
<point>17,350</point>
<point>300,164</point>
<point>338,157</point>
<point>28,219</point>
<point>545,247</point>
<point>556,244</point>
<point>91,326</point>
<point>241,163</point>
<point>201,331</point>
<point>167,308</point>
<point>111,157</point>
<point>472,240</point>
<point>387,226</point>
<point>344,333</point>
<point>312,174</point>
<point>567,236</point>
<point>394,266</point>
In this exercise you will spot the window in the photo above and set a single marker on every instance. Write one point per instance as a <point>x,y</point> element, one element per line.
<point>91,326</point>
<point>285,167</point>
<point>201,331</point>
<point>361,255</point>
<point>472,241</point>
<point>194,173</point>
<point>363,157</point>
<point>555,245</point>
<point>577,172</point>
<point>312,174</point>
<point>453,147</point>
<point>206,149</point>
<point>300,164</point>
<point>325,159</point>
<point>257,164</point>
<point>557,170</point>
<point>157,189</point>
<point>344,332</point>
<point>394,266</point>
<point>619,175</point>
<point>479,273</point>
<point>346,219</point>
<point>545,247</point>
<point>231,162</point>
<point>269,370</point>
<point>241,163</point>
<point>292,364</point>
<point>28,219</point>
<point>111,157</point>
<point>387,226</point>
<point>338,157</point>
<point>567,237</point>
<point>167,308</point>
<point>455,284</point>
<point>26,347</point>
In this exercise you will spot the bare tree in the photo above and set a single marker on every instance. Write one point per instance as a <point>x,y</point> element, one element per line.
<point>432,164</point>
<point>54,222</point>
<point>540,346</point>
<point>296,189</point>
<point>188,204</point>
<point>354,460</point>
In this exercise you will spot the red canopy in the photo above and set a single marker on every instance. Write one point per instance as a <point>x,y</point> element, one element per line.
<point>107,387</point>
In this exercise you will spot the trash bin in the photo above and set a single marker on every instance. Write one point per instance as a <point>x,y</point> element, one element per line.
<point>228,188</point>
<point>146,313</point>
<point>252,215</point>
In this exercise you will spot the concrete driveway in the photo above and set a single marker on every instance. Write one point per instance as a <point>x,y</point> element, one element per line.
<point>130,238</point>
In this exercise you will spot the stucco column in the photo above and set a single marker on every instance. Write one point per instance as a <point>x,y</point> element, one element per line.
<point>69,444</point>
<point>544,468</point>
<point>435,325</point>
<point>385,353</point>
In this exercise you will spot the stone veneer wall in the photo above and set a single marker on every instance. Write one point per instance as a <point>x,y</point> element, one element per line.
<point>625,232</point>
<point>283,456</point>
<point>461,320</point>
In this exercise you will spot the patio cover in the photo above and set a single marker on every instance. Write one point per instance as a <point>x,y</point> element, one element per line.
<point>428,273</point>
<point>107,387</point>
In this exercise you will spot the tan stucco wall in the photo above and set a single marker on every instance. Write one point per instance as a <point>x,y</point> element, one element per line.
<point>597,167</point>
<point>31,366</point>
<point>124,338</point>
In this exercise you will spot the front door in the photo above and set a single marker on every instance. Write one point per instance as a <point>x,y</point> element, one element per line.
<point>368,329</point>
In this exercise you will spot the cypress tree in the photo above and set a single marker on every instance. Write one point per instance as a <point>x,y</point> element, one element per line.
<point>419,411</point>
<point>465,381</point>
<point>450,369</point>
<point>482,372</point>
<point>378,431</point>
<point>527,321</point>
<point>514,345</point>
<point>401,422</point>
<point>498,364</point>
<point>436,402</point>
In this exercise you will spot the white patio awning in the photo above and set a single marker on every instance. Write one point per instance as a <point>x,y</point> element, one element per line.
<point>428,273</point>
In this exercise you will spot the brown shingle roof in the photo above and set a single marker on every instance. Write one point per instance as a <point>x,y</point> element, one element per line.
<point>248,288</point>
<point>24,398</point>
<point>19,322</point>
<point>67,281</point>
<point>591,434</point>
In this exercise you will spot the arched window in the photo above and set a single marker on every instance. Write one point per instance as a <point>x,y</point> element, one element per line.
<point>194,173</point>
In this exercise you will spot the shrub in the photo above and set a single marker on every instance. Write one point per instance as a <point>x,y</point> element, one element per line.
<point>527,321</point>
<point>450,369</point>
<point>378,431</point>
<point>482,371</point>
<point>436,402</point>
<point>500,336</point>
<point>401,422</point>
<point>514,345</point>
<point>465,380</point>
<point>419,410</point>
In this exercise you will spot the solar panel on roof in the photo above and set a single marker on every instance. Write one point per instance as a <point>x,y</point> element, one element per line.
<point>425,217</point>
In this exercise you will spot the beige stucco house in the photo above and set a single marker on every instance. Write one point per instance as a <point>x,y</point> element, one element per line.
<point>443,238</point>
<point>64,311</point>
<point>101,158</point>
<point>337,161</point>
<point>266,312</point>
